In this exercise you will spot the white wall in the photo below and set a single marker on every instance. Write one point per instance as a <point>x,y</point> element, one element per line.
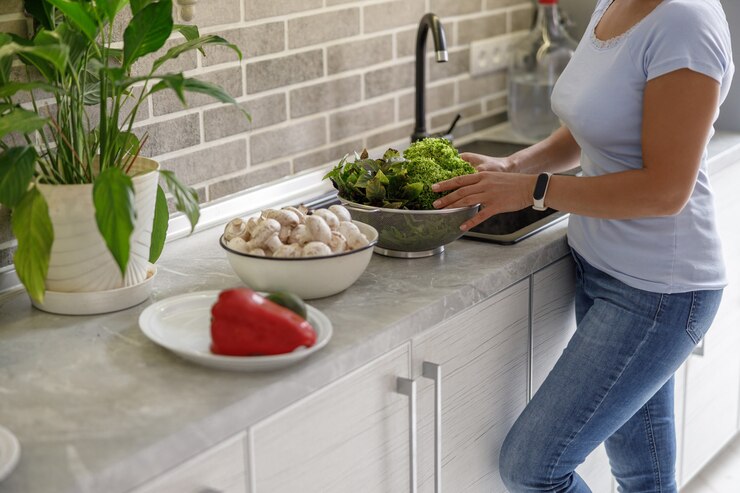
<point>729,117</point>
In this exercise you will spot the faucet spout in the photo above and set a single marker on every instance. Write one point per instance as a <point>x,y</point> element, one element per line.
<point>428,22</point>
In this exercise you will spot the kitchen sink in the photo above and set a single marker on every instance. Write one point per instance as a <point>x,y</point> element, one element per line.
<point>509,227</point>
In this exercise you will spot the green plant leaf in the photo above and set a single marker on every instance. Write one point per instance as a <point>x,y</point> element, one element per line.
<point>159,227</point>
<point>127,142</point>
<point>33,229</point>
<point>79,16</point>
<point>7,62</point>
<point>110,8</point>
<point>188,30</point>
<point>147,32</point>
<point>16,173</point>
<point>41,11</point>
<point>113,196</point>
<point>186,199</point>
<point>180,85</point>
<point>20,120</point>
<point>10,88</point>
<point>57,55</point>
<point>137,5</point>
<point>195,44</point>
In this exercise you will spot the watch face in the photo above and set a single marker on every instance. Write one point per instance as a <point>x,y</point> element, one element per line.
<point>540,186</point>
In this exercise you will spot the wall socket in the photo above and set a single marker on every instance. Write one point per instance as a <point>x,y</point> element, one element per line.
<point>489,55</point>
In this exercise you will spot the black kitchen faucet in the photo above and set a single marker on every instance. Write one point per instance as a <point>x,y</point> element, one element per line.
<point>429,21</point>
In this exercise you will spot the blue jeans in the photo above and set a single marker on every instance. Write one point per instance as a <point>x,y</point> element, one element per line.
<point>614,384</point>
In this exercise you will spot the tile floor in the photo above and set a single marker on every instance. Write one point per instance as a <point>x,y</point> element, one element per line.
<point>722,475</point>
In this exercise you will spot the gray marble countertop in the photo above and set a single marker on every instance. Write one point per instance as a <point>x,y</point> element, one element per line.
<point>98,407</point>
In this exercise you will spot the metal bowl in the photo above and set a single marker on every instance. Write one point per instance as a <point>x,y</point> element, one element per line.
<point>412,233</point>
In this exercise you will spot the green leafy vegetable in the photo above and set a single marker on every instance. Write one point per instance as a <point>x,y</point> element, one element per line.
<point>399,182</point>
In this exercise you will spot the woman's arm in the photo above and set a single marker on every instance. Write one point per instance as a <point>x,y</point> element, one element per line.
<point>678,112</point>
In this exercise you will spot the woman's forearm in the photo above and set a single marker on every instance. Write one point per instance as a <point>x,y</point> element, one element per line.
<point>557,153</point>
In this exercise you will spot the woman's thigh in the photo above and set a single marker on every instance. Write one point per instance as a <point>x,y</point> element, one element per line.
<point>627,345</point>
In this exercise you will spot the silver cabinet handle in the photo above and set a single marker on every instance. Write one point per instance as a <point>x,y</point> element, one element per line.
<point>699,348</point>
<point>407,387</point>
<point>433,371</point>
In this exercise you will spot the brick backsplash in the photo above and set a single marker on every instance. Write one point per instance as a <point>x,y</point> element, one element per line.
<point>320,78</point>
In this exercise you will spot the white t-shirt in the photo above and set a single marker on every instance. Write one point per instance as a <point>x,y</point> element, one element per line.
<point>599,98</point>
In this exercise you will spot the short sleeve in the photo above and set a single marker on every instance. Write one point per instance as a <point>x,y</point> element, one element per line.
<point>689,35</point>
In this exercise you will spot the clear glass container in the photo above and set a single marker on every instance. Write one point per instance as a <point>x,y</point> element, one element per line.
<point>536,63</point>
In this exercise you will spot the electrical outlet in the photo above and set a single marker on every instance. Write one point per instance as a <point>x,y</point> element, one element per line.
<point>492,54</point>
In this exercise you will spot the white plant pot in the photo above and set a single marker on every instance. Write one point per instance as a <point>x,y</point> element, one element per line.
<point>80,260</point>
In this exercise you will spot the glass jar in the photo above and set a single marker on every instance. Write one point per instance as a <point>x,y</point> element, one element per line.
<point>536,63</point>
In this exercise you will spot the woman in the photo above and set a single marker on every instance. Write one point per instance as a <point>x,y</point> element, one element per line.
<point>638,101</point>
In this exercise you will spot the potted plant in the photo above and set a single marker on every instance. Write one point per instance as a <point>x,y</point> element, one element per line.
<point>75,164</point>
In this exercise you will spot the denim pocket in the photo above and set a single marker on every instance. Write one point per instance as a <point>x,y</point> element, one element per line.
<point>704,306</point>
<point>579,265</point>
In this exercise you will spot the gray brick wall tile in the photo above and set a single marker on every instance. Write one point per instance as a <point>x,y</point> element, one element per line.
<point>186,61</point>
<point>229,79</point>
<point>359,54</point>
<point>325,96</point>
<point>522,19</point>
<point>498,4</point>
<point>454,7</point>
<point>389,79</point>
<point>386,137</point>
<point>215,12</point>
<point>322,157</point>
<point>437,98</point>
<point>254,177</point>
<point>458,63</point>
<point>442,121</point>
<point>19,27</point>
<point>259,9</point>
<point>141,114</point>
<point>6,256</point>
<point>479,124</point>
<point>388,15</point>
<point>253,41</point>
<point>284,71</point>
<point>348,123</point>
<point>482,87</point>
<point>319,28</point>
<point>5,231</point>
<point>11,6</point>
<point>496,104</point>
<point>330,3</point>
<point>207,164</point>
<point>279,142</point>
<point>482,27</point>
<point>228,120</point>
<point>170,135</point>
<point>406,42</point>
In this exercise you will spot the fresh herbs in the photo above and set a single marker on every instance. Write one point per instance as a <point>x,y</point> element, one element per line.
<point>398,181</point>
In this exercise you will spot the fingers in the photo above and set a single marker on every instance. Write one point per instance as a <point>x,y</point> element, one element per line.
<point>458,195</point>
<point>473,158</point>
<point>457,182</point>
<point>474,221</point>
<point>465,201</point>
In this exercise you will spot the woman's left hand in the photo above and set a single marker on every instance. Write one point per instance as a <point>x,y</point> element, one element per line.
<point>496,192</point>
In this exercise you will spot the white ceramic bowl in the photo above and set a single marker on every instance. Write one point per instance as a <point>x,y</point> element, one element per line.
<point>308,277</point>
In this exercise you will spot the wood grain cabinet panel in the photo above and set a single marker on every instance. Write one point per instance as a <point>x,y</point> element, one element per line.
<point>221,469</point>
<point>483,353</point>
<point>352,435</point>
<point>553,324</point>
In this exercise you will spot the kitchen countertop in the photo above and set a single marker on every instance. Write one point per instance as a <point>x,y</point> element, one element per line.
<point>98,407</point>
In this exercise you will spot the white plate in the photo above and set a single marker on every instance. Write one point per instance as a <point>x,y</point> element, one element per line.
<point>10,452</point>
<point>182,324</point>
<point>93,302</point>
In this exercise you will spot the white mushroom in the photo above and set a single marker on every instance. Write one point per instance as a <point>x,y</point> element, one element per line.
<point>316,249</point>
<point>236,228</point>
<point>300,235</point>
<point>258,252</point>
<point>252,224</point>
<point>355,239</point>
<point>273,243</point>
<point>331,219</point>
<point>266,229</point>
<point>341,212</point>
<point>284,217</point>
<point>319,230</point>
<point>289,251</point>
<point>297,212</point>
<point>285,232</point>
<point>238,244</point>
<point>338,243</point>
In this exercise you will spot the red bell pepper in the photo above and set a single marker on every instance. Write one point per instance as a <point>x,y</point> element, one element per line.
<point>243,323</point>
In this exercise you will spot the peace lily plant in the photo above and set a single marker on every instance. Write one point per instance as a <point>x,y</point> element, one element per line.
<point>74,61</point>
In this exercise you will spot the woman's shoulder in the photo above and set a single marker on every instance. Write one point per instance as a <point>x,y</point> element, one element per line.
<point>679,14</point>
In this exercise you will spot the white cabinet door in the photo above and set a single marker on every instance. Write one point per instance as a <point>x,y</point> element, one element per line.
<point>483,353</point>
<point>352,435</point>
<point>219,469</point>
<point>553,324</point>
<point>713,380</point>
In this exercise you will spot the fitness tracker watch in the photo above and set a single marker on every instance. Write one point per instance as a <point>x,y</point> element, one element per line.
<point>540,190</point>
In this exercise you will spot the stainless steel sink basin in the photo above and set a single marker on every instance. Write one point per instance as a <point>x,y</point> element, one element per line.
<point>509,227</point>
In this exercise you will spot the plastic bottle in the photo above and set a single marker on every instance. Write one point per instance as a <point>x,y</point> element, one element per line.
<point>536,63</point>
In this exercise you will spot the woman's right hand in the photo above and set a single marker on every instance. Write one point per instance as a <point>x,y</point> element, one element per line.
<point>481,162</point>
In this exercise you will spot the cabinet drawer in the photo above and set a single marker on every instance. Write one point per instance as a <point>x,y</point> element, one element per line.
<point>221,469</point>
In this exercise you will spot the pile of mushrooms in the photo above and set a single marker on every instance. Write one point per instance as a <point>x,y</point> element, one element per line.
<point>293,232</point>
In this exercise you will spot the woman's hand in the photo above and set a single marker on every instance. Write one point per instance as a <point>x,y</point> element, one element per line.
<point>482,162</point>
<point>495,191</point>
